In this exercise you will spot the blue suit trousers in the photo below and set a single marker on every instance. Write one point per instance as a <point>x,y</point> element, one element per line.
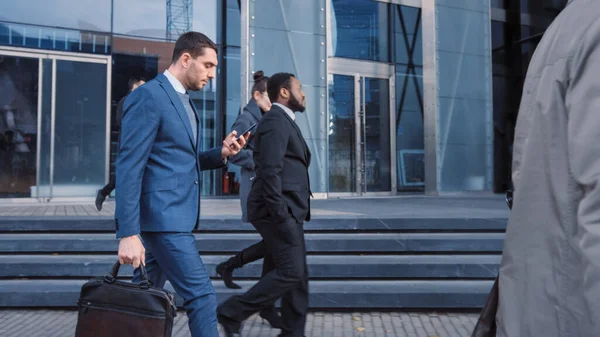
<point>174,257</point>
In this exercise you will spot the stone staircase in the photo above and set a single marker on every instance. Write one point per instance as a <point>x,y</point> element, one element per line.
<point>359,263</point>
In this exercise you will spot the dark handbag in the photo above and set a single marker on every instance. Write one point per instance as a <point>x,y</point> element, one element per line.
<point>486,324</point>
<point>112,308</point>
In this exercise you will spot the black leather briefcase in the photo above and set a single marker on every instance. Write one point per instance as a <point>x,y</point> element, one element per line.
<point>112,308</point>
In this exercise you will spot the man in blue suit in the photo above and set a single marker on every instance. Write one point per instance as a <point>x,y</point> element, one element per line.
<point>159,181</point>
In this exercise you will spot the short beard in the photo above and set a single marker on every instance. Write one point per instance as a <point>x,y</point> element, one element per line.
<point>295,105</point>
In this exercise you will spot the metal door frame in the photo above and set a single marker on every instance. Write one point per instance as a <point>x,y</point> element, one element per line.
<point>55,56</point>
<point>359,70</point>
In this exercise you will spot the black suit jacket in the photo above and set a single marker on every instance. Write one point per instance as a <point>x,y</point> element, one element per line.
<point>281,188</point>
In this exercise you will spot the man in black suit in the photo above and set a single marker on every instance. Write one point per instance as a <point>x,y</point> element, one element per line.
<point>278,205</point>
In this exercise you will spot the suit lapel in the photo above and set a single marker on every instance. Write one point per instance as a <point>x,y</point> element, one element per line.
<point>178,106</point>
<point>306,150</point>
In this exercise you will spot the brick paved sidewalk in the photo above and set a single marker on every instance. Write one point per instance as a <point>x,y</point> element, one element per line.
<point>61,323</point>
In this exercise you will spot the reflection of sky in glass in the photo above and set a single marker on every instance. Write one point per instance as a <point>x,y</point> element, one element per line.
<point>147,18</point>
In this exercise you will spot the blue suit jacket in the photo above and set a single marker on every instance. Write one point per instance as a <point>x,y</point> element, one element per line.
<point>158,165</point>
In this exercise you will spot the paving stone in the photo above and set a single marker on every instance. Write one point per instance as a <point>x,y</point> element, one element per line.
<point>58,323</point>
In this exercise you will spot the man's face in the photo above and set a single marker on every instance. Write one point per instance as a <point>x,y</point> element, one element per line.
<point>297,100</point>
<point>201,70</point>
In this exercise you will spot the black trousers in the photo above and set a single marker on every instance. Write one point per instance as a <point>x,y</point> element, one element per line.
<point>250,254</point>
<point>286,277</point>
<point>106,190</point>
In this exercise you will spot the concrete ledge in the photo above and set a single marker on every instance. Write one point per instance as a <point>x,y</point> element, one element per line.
<point>323,294</point>
<point>231,243</point>
<point>334,266</point>
<point>106,224</point>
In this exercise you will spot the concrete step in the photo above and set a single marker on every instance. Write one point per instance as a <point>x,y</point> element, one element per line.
<point>320,267</point>
<point>231,243</point>
<point>105,224</point>
<point>323,294</point>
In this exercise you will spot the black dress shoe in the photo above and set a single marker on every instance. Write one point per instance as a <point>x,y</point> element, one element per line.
<point>225,270</point>
<point>231,328</point>
<point>100,197</point>
<point>271,316</point>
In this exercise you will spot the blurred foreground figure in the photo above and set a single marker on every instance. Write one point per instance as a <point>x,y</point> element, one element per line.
<point>550,274</point>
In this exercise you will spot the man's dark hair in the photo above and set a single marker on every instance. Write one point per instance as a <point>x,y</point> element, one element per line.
<point>193,43</point>
<point>135,80</point>
<point>276,82</point>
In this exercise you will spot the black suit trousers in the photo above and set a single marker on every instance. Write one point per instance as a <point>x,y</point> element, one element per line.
<point>286,277</point>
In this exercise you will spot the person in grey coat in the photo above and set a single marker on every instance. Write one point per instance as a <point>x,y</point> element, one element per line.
<point>251,114</point>
<point>549,282</point>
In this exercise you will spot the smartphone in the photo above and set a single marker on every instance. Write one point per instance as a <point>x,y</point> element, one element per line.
<point>245,132</point>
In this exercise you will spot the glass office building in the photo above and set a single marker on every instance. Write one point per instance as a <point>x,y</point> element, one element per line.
<point>403,95</point>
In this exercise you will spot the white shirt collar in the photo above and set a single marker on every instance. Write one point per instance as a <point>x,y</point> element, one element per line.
<point>287,110</point>
<point>175,82</point>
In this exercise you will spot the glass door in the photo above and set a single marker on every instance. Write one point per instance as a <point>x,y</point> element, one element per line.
<point>360,138</point>
<point>54,124</point>
<point>80,128</point>
<point>343,131</point>
<point>375,141</point>
<point>19,101</point>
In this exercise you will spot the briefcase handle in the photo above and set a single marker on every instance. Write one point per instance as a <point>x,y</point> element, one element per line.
<point>112,275</point>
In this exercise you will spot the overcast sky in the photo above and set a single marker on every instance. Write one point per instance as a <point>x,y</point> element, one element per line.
<point>131,17</point>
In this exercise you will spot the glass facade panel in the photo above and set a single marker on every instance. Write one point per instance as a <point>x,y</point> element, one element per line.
<point>497,3</point>
<point>410,147</point>
<point>359,30</point>
<point>464,96</point>
<point>233,23</point>
<point>59,39</point>
<point>408,37</point>
<point>342,134</point>
<point>80,129</point>
<point>302,54</point>
<point>377,134</point>
<point>19,78</point>
<point>513,43</point>
<point>538,7</point>
<point>90,15</point>
<point>281,46</point>
<point>293,15</point>
<point>210,136</point>
<point>232,108</point>
<point>139,36</point>
<point>149,18</point>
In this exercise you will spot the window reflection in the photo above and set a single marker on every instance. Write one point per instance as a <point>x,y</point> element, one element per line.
<point>152,18</point>
<point>90,15</point>
<point>59,39</point>
<point>342,134</point>
<point>359,30</point>
<point>513,44</point>
<point>18,125</point>
<point>538,7</point>
<point>409,99</point>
